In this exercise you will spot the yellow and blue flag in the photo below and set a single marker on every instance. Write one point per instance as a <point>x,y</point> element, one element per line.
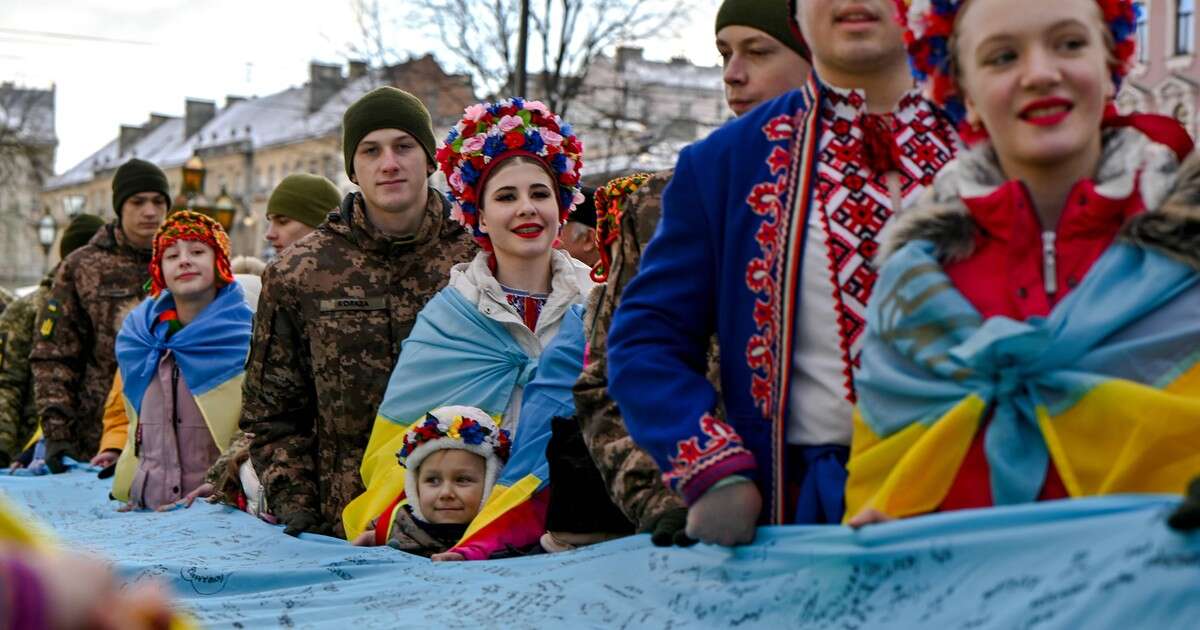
<point>1107,386</point>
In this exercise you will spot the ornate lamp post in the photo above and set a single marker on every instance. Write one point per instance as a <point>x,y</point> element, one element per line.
<point>224,209</point>
<point>47,233</point>
<point>73,205</point>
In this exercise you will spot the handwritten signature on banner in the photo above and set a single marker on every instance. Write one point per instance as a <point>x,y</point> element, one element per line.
<point>1107,562</point>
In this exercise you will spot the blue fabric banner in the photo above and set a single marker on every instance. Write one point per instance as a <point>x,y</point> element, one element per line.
<point>1095,563</point>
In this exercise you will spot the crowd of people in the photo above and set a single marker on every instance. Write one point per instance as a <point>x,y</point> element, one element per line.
<point>864,298</point>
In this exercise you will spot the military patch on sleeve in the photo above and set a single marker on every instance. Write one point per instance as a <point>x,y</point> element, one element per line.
<point>50,318</point>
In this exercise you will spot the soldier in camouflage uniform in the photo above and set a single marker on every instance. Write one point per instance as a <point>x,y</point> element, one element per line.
<point>18,323</point>
<point>762,59</point>
<point>335,308</point>
<point>73,360</point>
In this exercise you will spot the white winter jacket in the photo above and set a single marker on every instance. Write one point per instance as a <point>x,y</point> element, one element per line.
<point>570,283</point>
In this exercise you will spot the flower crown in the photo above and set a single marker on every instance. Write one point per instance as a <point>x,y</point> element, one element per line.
<point>185,225</point>
<point>491,132</point>
<point>610,201</point>
<point>928,25</point>
<point>460,428</point>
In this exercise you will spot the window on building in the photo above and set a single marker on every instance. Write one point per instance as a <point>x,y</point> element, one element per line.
<point>1143,33</point>
<point>1185,33</point>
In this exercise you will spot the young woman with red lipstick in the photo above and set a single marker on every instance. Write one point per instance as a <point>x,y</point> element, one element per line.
<point>1033,334</point>
<point>513,169</point>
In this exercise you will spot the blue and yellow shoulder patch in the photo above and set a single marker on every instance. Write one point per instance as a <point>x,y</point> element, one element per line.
<point>50,317</point>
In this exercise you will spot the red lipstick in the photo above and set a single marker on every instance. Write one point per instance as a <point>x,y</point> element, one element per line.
<point>528,230</point>
<point>1046,112</point>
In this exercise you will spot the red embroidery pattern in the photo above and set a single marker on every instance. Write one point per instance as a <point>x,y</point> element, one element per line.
<point>765,200</point>
<point>855,202</point>
<point>691,458</point>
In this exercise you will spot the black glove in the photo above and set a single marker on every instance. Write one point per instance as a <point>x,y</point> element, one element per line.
<point>301,522</point>
<point>1186,517</point>
<point>107,472</point>
<point>670,529</point>
<point>55,451</point>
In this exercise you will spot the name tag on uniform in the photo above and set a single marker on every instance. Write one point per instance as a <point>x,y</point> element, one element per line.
<point>353,304</point>
<point>117,292</point>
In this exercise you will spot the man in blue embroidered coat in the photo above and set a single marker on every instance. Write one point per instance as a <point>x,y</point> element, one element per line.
<point>768,229</point>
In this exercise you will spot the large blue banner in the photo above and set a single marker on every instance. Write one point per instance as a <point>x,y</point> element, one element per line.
<point>1094,563</point>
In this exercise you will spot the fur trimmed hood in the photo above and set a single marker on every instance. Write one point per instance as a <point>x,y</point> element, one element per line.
<point>1170,191</point>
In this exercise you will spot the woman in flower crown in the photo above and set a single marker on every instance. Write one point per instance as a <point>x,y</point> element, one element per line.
<point>1034,334</point>
<point>514,170</point>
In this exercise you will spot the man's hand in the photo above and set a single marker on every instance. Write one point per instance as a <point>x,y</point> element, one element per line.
<point>448,556</point>
<point>670,529</point>
<point>726,516</point>
<point>297,523</point>
<point>105,458</point>
<point>55,451</point>
<point>1186,517</point>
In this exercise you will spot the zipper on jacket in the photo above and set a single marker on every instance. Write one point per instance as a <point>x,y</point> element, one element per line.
<point>175,421</point>
<point>1049,264</point>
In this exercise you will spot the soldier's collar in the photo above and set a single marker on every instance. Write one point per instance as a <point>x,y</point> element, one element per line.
<point>376,240</point>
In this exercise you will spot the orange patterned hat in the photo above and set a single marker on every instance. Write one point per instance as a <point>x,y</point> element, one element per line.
<point>186,225</point>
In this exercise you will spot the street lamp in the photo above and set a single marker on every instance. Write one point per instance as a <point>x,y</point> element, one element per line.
<point>224,209</point>
<point>73,205</point>
<point>47,231</point>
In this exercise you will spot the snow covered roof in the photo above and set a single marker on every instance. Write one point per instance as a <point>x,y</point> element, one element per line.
<point>265,121</point>
<point>28,112</point>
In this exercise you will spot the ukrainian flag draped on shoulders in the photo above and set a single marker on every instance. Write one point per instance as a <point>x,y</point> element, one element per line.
<point>515,512</point>
<point>454,356</point>
<point>1107,386</point>
<point>210,352</point>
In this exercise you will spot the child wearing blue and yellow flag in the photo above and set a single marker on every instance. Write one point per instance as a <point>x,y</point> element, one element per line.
<point>514,170</point>
<point>1034,332</point>
<point>181,354</point>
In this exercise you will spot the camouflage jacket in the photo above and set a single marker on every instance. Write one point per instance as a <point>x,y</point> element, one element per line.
<point>73,358</point>
<point>333,311</point>
<point>18,414</point>
<point>6,298</point>
<point>630,473</point>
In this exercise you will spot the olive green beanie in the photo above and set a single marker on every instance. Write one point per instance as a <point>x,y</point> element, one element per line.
<point>305,198</point>
<point>79,231</point>
<point>768,16</point>
<point>386,108</point>
<point>138,176</point>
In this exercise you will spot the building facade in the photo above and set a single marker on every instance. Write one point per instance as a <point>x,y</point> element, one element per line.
<point>27,147</point>
<point>636,114</point>
<point>1166,76</point>
<point>249,145</point>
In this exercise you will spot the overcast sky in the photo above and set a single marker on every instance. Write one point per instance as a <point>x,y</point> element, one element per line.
<point>114,62</point>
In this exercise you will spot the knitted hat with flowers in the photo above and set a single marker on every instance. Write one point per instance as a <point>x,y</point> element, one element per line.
<point>610,203</point>
<point>489,134</point>
<point>186,225</point>
<point>929,25</point>
<point>454,427</point>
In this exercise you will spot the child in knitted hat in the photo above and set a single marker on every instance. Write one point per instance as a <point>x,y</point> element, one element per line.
<point>1041,275</point>
<point>181,354</point>
<point>452,459</point>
